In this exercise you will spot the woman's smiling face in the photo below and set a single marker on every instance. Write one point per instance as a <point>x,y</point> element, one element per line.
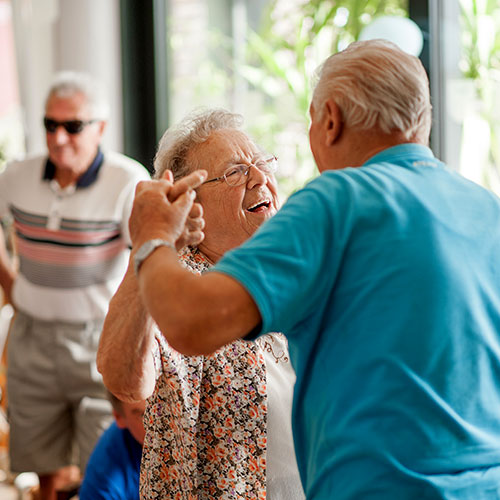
<point>232,213</point>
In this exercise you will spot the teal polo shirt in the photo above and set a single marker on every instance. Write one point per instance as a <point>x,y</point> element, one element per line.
<point>386,281</point>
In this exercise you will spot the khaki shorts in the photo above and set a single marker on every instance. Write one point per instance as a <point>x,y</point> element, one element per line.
<point>57,403</point>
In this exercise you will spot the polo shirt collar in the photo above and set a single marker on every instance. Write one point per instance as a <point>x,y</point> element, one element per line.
<point>86,179</point>
<point>405,151</point>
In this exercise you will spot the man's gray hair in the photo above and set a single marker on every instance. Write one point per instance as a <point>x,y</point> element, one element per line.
<point>194,129</point>
<point>68,83</point>
<point>374,83</point>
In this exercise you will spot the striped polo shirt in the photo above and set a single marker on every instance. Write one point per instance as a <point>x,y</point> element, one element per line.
<point>72,243</point>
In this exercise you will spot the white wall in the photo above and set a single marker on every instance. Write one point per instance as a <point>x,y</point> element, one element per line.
<point>54,35</point>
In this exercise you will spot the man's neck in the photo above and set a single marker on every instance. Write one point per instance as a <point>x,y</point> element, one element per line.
<point>66,177</point>
<point>357,147</point>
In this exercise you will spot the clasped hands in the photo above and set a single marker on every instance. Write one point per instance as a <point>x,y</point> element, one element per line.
<point>167,210</point>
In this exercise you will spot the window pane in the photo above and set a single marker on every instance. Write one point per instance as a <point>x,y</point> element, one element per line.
<point>473,104</point>
<point>258,57</point>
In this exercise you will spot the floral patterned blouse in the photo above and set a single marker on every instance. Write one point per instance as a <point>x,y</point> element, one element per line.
<point>206,420</point>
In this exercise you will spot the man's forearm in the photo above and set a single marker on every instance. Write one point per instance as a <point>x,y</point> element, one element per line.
<point>196,314</point>
<point>125,357</point>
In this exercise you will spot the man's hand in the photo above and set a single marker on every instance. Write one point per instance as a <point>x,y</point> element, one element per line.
<point>167,211</point>
<point>193,228</point>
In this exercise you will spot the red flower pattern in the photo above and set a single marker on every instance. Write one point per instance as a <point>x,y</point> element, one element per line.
<point>206,421</point>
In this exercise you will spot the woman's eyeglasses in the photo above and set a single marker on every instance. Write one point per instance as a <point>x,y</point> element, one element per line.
<point>236,175</point>
<point>71,126</point>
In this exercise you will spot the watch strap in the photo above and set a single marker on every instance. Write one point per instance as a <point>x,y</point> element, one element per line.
<point>146,249</point>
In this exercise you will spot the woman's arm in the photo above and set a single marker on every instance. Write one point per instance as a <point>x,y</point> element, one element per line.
<point>125,354</point>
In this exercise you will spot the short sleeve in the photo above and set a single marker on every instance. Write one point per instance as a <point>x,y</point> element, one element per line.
<point>125,173</point>
<point>290,264</point>
<point>128,201</point>
<point>5,189</point>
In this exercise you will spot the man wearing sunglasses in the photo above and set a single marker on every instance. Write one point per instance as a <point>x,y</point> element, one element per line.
<point>70,210</point>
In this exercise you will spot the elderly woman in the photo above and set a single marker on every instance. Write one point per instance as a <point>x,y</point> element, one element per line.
<point>217,426</point>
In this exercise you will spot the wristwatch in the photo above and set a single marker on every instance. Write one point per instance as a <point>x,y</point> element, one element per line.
<point>146,249</point>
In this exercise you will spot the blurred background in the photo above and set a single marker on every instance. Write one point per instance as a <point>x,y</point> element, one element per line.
<point>161,58</point>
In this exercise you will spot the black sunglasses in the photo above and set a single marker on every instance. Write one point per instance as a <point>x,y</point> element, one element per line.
<point>71,126</point>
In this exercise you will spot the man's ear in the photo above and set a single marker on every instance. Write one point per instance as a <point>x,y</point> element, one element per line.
<point>102,127</point>
<point>332,122</point>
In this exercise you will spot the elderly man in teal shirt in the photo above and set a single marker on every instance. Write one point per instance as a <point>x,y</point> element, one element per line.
<point>384,275</point>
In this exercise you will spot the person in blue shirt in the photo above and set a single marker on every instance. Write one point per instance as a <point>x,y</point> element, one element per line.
<point>114,467</point>
<point>384,275</point>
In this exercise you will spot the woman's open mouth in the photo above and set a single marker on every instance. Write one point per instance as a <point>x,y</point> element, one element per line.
<point>260,207</point>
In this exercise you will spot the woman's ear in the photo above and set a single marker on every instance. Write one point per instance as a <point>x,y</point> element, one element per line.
<point>332,121</point>
<point>167,175</point>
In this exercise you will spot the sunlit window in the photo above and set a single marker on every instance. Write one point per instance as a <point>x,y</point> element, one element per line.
<point>474,98</point>
<point>259,57</point>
